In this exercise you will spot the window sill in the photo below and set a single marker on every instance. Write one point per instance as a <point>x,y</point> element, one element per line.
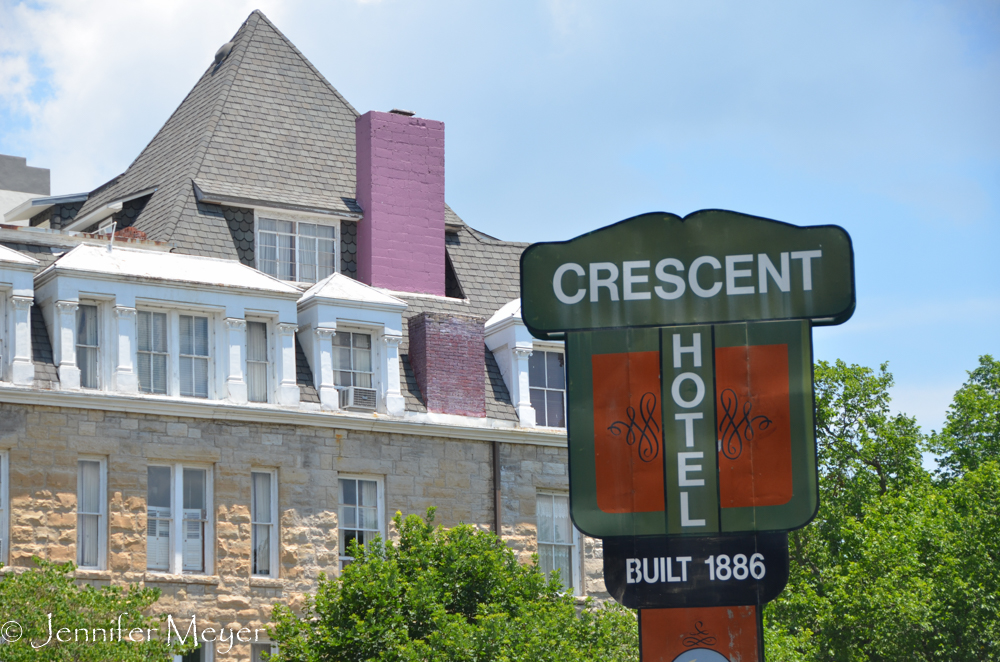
<point>93,573</point>
<point>267,582</point>
<point>152,576</point>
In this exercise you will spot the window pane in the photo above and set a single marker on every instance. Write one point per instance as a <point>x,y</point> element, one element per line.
<point>266,224</point>
<point>326,231</point>
<point>538,404</point>
<point>201,336</point>
<point>554,407</point>
<point>158,488</point>
<point>87,532</point>
<point>555,370</point>
<point>194,489</point>
<point>544,508</point>
<point>257,382</point>
<point>536,369</point>
<point>288,227</point>
<point>326,255</point>
<point>363,360</point>
<point>261,549</point>
<point>349,492</point>
<point>187,334</point>
<point>348,517</point>
<point>261,501</point>
<point>286,257</point>
<point>186,366</point>
<point>307,258</point>
<point>145,376</point>
<point>200,378</point>
<point>256,341</point>
<point>144,332</point>
<point>561,525</point>
<point>86,360</point>
<point>368,517</point>
<point>341,358</point>
<point>90,486</point>
<point>561,555</point>
<point>159,376</point>
<point>159,332</point>
<point>86,325</point>
<point>369,492</point>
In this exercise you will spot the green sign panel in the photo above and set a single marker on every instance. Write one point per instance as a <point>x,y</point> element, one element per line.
<point>710,267</point>
<point>691,430</point>
<point>689,365</point>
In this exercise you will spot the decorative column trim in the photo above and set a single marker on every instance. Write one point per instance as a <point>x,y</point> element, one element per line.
<point>65,345</point>
<point>395,404</point>
<point>288,387</point>
<point>126,378</point>
<point>323,362</point>
<point>521,382</point>
<point>236,386</point>
<point>21,368</point>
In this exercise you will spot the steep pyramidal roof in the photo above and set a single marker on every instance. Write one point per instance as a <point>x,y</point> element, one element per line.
<point>262,126</point>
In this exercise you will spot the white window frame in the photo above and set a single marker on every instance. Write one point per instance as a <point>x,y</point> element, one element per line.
<point>268,647</point>
<point>102,514</point>
<point>6,332</point>
<point>380,500</point>
<point>576,552</point>
<point>272,349</point>
<point>4,506</point>
<point>275,530</point>
<point>176,553</point>
<point>376,333</point>
<point>551,348</point>
<point>296,217</point>
<point>216,352</point>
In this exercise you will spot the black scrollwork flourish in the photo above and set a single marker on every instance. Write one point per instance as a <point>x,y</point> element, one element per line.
<point>733,433</point>
<point>699,637</point>
<point>647,435</point>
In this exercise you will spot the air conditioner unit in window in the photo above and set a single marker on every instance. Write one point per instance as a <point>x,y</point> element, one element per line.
<point>356,397</point>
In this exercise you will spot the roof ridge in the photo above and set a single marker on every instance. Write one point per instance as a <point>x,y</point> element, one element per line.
<point>306,61</point>
<point>220,103</point>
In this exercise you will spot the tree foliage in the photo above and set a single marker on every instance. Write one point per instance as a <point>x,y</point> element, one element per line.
<point>36,603</point>
<point>900,564</point>
<point>454,594</point>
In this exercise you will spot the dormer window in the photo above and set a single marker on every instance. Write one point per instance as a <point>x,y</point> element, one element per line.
<point>87,348</point>
<point>352,359</point>
<point>296,250</point>
<point>547,379</point>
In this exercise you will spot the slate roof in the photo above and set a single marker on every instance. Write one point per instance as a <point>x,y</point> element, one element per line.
<point>263,125</point>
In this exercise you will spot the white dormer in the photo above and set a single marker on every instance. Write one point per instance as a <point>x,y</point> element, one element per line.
<point>351,334</point>
<point>533,370</point>
<point>16,294</point>
<point>159,323</point>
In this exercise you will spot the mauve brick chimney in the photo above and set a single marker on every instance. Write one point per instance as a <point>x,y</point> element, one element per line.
<point>400,174</point>
<point>448,357</point>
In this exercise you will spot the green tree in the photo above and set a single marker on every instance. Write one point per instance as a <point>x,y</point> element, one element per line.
<point>448,594</point>
<point>897,565</point>
<point>36,603</point>
<point>971,435</point>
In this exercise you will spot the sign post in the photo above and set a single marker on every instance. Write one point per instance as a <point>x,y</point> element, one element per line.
<point>689,382</point>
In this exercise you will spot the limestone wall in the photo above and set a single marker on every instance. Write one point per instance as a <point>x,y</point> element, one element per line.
<point>44,445</point>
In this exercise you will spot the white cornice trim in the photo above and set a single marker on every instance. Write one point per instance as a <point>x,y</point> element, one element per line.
<point>162,406</point>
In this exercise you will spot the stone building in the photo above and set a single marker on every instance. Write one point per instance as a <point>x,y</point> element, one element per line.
<point>265,337</point>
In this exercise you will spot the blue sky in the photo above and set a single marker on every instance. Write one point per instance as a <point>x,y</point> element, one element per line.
<point>564,116</point>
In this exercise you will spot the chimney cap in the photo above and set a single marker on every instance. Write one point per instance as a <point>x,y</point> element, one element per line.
<point>400,111</point>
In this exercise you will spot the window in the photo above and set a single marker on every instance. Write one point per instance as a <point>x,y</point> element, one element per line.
<point>558,547</point>
<point>257,651</point>
<point>352,359</point>
<point>257,362</point>
<point>194,356</point>
<point>91,509</point>
<point>86,345</point>
<point>292,250</point>
<point>173,490</point>
<point>201,654</point>
<point>4,522</point>
<point>547,382</point>
<point>263,518</point>
<point>360,513</point>
<point>151,355</point>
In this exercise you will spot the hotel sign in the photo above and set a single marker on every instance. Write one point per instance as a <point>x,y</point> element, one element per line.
<point>710,267</point>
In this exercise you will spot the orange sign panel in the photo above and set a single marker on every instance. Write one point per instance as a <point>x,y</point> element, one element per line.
<point>707,634</point>
<point>754,425</point>
<point>628,434</point>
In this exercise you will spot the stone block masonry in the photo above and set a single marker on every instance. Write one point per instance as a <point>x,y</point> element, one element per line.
<point>44,445</point>
<point>446,353</point>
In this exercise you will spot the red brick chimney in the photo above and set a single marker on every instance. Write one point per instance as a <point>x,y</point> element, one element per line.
<point>448,356</point>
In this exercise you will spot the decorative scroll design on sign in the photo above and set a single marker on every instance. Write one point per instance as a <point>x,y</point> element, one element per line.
<point>647,435</point>
<point>734,433</point>
<point>699,637</point>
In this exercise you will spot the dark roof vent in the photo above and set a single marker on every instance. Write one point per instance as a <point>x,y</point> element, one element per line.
<point>223,52</point>
<point>405,113</point>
